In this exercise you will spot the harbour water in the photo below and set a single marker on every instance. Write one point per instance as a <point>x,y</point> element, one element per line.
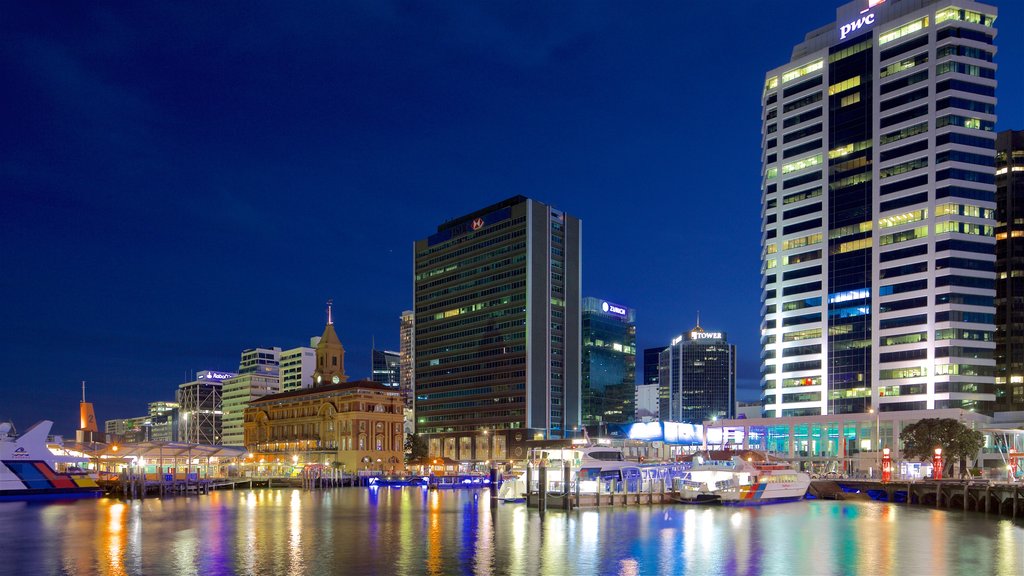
<point>413,531</point>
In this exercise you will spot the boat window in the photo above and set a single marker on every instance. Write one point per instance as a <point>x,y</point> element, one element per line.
<point>609,456</point>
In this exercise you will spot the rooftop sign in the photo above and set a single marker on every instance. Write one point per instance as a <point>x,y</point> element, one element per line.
<point>614,309</point>
<point>865,19</point>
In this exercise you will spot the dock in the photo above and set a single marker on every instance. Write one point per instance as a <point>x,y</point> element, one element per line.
<point>1002,498</point>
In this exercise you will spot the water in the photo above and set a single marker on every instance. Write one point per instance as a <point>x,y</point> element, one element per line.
<point>412,531</point>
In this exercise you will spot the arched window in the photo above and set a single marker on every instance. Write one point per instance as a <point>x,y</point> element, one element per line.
<point>362,441</point>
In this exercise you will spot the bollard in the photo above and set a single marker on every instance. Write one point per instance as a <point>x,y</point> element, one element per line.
<point>542,491</point>
<point>529,483</point>
<point>566,480</point>
<point>494,487</point>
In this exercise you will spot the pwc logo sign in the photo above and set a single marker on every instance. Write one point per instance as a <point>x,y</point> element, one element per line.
<point>866,19</point>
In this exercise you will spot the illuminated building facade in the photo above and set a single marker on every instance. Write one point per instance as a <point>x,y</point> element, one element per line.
<point>1010,270</point>
<point>297,365</point>
<point>698,378</point>
<point>200,409</point>
<point>878,213</point>
<point>497,337</point>
<point>386,367</point>
<point>609,362</point>
<point>258,376</point>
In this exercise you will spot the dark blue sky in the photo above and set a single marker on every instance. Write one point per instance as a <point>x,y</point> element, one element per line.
<point>182,181</point>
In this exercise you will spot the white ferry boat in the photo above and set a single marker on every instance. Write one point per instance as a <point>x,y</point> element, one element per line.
<point>27,467</point>
<point>593,467</point>
<point>739,482</point>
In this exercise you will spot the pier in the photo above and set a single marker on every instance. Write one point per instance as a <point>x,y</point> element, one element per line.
<point>1003,498</point>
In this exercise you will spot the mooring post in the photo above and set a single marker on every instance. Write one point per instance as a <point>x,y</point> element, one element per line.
<point>494,487</point>
<point>566,481</point>
<point>542,488</point>
<point>529,483</point>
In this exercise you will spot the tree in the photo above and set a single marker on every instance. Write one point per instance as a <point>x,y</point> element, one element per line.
<point>415,446</point>
<point>958,442</point>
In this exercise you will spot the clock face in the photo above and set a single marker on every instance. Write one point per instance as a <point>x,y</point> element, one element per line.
<point>335,379</point>
<point>319,378</point>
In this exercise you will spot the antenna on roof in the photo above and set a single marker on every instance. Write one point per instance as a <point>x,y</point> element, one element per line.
<point>698,318</point>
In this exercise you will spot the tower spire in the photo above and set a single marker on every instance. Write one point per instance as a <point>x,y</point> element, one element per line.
<point>698,318</point>
<point>330,320</point>
<point>83,391</point>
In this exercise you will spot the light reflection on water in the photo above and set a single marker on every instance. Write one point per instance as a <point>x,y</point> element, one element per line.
<point>412,531</point>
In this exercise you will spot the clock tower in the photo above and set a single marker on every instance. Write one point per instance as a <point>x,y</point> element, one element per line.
<point>330,356</point>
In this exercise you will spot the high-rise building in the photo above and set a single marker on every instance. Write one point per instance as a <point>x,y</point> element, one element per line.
<point>386,368</point>
<point>407,356</point>
<point>609,362</point>
<point>407,372</point>
<point>297,366</point>
<point>647,402</point>
<point>200,409</point>
<point>651,356</point>
<point>497,337</point>
<point>698,378</point>
<point>1010,270</point>
<point>258,376</point>
<point>878,210</point>
<point>163,417</point>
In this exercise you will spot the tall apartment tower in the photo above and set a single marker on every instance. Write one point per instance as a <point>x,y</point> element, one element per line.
<point>497,338</point>
<point>258,376</point>
<point>297,366</point>
<point>698,377</point>
<point>878,213</point>
<point>1010,270</point>
<point>609,362</point>
<point>406,357</point>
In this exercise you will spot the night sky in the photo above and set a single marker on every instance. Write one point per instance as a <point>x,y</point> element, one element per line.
<point>183,181</point>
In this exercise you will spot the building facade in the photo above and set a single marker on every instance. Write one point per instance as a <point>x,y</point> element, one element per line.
<point>353,425</point>
<point>609,362</point>
<point>497,330</point>
<point>258,376</point>
<point>698,377</point>
<point>647,403</point>
<point>651,358</point>
<point>386,368</point>
<point>1010,270</point>
<point>878,213</point>
<point>297,366</point>
<point>163,417</point>
<point>200,409</point>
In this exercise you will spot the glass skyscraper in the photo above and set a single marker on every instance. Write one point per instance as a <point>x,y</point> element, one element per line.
<point>1010,270</point>
<point>497,330</point>
<point>878,213</point>
<point>698,378</point>
<point>609,362</point>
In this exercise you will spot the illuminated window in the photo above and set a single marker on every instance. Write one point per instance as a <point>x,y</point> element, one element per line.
<point>907,372</point>
<point>848,149</point>
<point>801,335</point>
<point>771,84</point>
<point>904,236</point>
<point>803,70</point>
<point>772,172</point>
<point>801,242</point>
<point>912,338</point>
<point>770,264</point>
<point>801,164</point>
<point>954,13</point>
<point>853,246</point>
<point>851,99</point>
<point>902,31</point>
<point>905,218</point>
<point>850,51</point>
<point>964,210</point>
<point>771,249</point>
<point>963,228</point>
<point>903,65</point>
<point>844,85</point>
